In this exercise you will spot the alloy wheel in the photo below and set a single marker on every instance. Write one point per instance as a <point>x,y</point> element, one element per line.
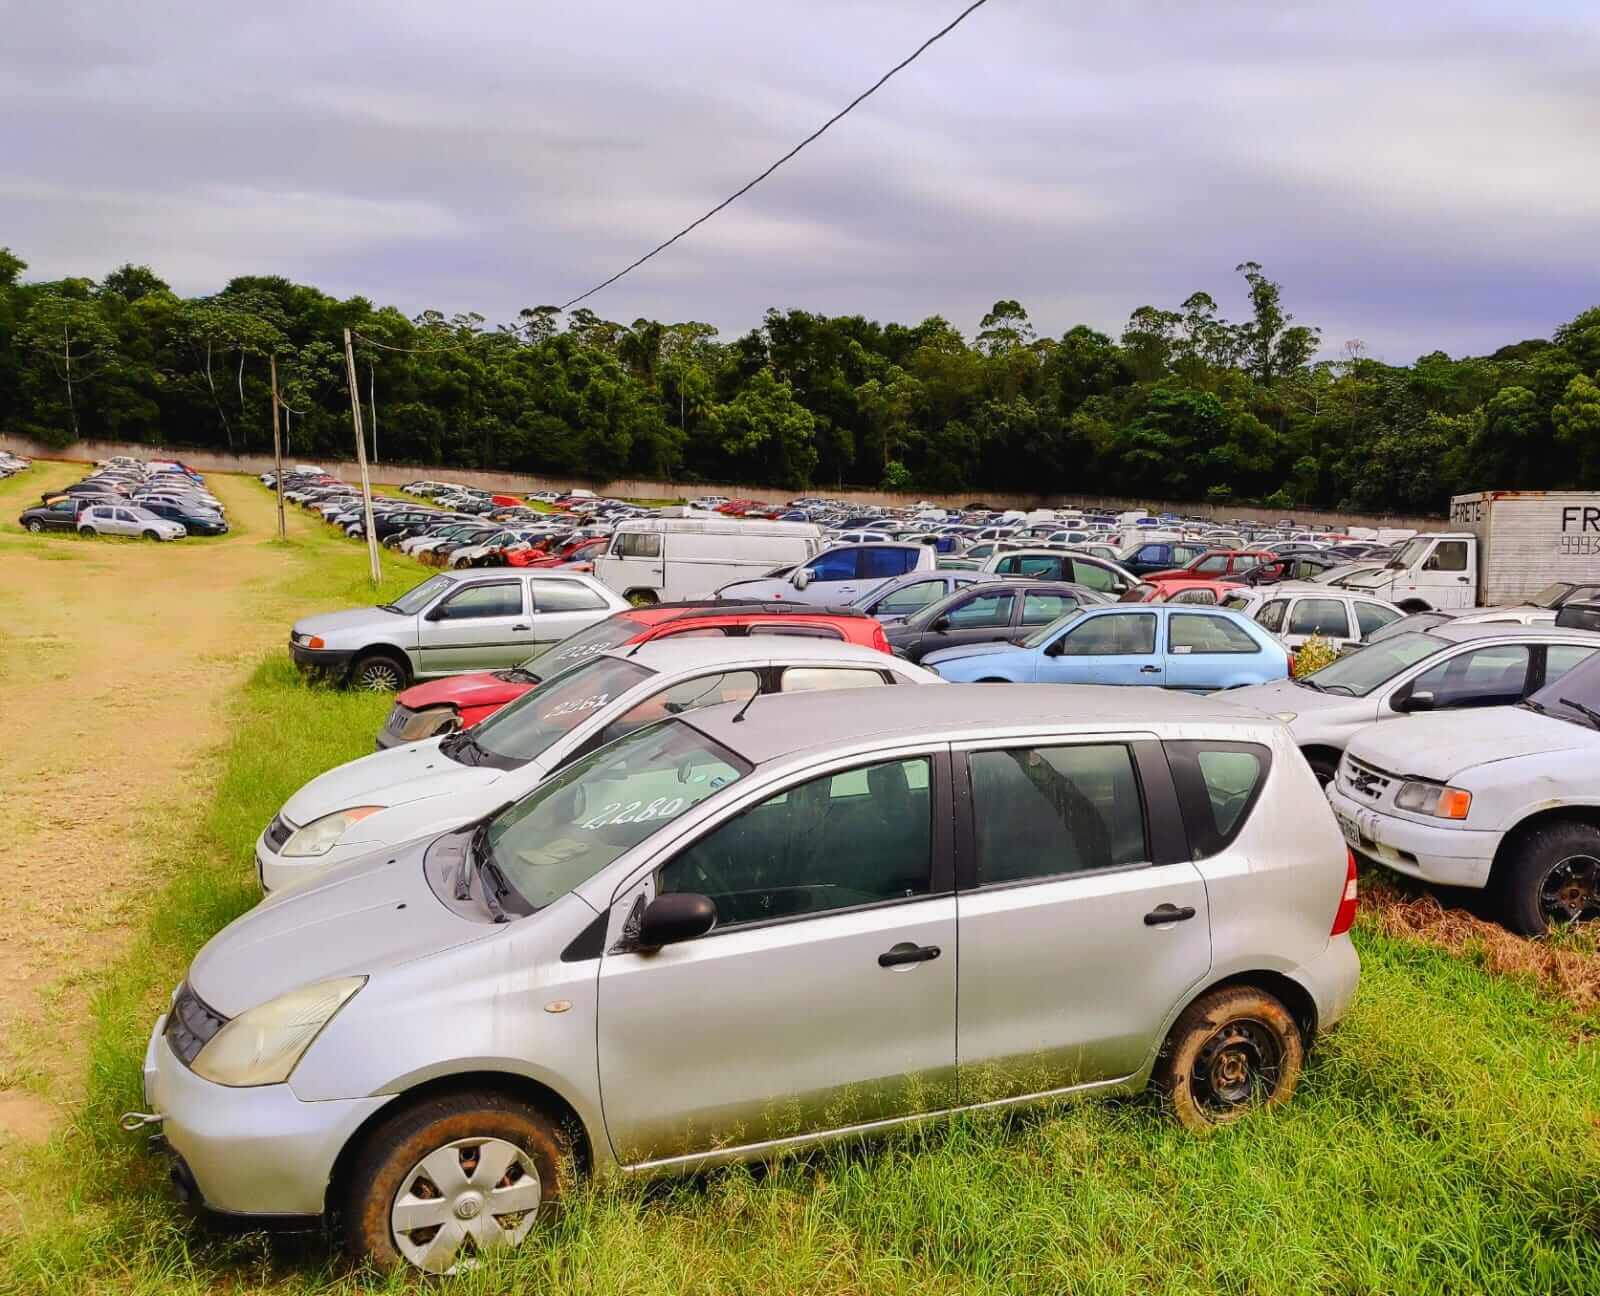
<point>1571,890</point>
<point>1237,1067</point>
<point>464,1200</point>
<point>379,676</point>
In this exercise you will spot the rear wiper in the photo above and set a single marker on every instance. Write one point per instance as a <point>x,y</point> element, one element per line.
<point>1587,712</point>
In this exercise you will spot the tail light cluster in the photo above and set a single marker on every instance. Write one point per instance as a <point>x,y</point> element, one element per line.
<point>1346,917</point>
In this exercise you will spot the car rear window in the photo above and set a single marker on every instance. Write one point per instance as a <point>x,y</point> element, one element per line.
<point>1218,784</point>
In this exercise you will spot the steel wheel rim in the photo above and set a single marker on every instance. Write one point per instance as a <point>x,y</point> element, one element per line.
<point>1570,892</point>
<point>36,527</point>
<point>378,677</point>
<point>463,1201</point>
<point>1236,1068</point>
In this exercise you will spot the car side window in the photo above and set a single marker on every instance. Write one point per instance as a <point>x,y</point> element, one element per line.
<point>637,544</point>
<point>1195,633</point>
<point>564,595</point>
<point>878,563</point>
<point>981,611</point>
<point>1560,658</point>
<point>1483,677</point>
<point>1447,556</point>
<point>1092,576</point>
<point>837,566</point>
<point>1374,616</point>
<point>909,598</point>
<point>1314,616</point>
<point>1215,565</point>
<point>818,679</point>
<point>1041,608</point>
<point>1152,553</point>
<point>1270,617</point>
<point>1217,784</point>
<point>685,695</point>
<point>501,599</point>
<point>1115,634</point>
<point>1042,812</point>
<point>859,837</point>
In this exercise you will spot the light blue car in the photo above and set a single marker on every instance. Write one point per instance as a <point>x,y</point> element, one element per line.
<point>1197,649</point>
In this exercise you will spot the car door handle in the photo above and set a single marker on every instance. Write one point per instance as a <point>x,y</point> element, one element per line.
<point>906,952</point>
<point>1149,670</point>
<point>1168,913</point>
<point>522,626</point>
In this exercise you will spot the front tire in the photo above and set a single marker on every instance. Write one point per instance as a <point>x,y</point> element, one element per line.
<point>378,673</point>
<point>1323,768</point>
<point>36,526</point>
<point>643,598</point>
<point>1552,879</point>
<point>446,1181</point>
<point>1232,1051</point>
<point>149,535</point>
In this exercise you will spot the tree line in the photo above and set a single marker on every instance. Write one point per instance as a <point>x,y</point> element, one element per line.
<point>1183,405</point>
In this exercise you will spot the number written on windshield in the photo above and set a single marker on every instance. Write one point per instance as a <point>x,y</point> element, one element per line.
<point>591,703</point>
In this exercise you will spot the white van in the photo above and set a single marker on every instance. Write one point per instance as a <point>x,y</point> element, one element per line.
<point>664,559</point>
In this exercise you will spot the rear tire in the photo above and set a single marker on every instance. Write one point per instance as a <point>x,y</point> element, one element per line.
<point>87,531</point>
<point>1551,879</point>
<point>1231,1051</point>
<point>392,1181</point>
<point>378,673</point>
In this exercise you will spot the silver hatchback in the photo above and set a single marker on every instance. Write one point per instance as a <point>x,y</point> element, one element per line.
<point>736,931</point>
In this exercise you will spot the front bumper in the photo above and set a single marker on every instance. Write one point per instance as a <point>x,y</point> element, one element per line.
<point>1442,853</point>
<point>330,661</point>
<point>258,1151</point>
<point>275,872</point>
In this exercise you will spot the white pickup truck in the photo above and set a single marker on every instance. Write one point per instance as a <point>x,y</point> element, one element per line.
<point>1509,546</point>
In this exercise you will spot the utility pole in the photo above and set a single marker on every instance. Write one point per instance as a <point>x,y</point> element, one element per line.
<point>277,446</point>
<point>72,408</point>
<point>372,400</point>
<point>361,457</point>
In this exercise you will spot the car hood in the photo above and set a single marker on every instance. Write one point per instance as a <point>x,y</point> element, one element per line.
<point>1285,695</point>
<point>1441,745</point>
<point>479,689</point>
<point>353,921</point>
<point>328,624</point>
<point>387,778</point>
<point>759,589</point>
<point>970,650</point>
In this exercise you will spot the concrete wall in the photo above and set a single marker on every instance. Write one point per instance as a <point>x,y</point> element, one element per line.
<point>521,484</point>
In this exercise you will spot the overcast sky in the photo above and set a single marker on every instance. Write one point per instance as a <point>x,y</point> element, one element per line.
<point>1417,173</point>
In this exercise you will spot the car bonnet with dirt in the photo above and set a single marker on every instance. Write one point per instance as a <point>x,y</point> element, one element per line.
<point>1152,891</point>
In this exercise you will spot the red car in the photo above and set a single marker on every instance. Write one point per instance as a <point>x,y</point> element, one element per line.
<point>460,701</point>
<point>1217,564</point>
<point>1165,590</point>
<point>584,551</point>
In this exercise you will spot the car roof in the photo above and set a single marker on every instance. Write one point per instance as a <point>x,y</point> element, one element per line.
<point>677,653</point>
<point>778,725</point>
<point>1457,633</point>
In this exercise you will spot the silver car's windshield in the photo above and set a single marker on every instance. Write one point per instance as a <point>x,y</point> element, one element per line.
<point>568,829</point>
<point>418,597</point>
<point>1360,673</point>
<point>518,732</point>
<point>1044,634</point>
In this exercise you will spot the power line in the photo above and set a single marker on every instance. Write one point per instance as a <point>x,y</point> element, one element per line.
<point>865,94</point>
<point>384,346</point>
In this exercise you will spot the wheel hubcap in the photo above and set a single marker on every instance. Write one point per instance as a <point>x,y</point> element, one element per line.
<point>1571,890</point>
<point>378,677</point>
<point>1237,1067</point>
<point>464,1200</point>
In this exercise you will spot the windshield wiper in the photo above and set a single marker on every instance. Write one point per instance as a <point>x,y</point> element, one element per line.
<point>390,607</point>
<point>1538,707</point>
<point>477,855</point>
<point>1309,683</point>
<point>1587,712</point>
<point>519,675</point>
<point>461,746</point>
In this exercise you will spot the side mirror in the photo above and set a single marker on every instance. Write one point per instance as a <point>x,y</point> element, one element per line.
<point>1416,702</point>
<point>679,916</point>
<point>434,613</point>
<point>1056,646</point>
<point>801,578</point>
<point>940,625</point>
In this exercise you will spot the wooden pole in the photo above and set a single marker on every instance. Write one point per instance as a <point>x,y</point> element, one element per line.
<point>277,448</point>
<point>372,403</point>
<point>361,457</point>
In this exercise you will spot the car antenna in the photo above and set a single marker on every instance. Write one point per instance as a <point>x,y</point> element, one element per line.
<point>736,719</point>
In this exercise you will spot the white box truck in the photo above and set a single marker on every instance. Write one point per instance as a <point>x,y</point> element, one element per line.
<point>665,559</point>
<point>1506,547</point>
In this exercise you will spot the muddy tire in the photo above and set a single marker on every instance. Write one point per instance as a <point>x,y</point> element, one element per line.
<point>420,1193</point>
<point>1233,1051</point>
<point>1551,878</point>
<point>36,526</point>
<point>378,673</point>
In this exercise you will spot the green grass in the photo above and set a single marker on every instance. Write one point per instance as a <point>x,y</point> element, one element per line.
<point>1446,1137</point>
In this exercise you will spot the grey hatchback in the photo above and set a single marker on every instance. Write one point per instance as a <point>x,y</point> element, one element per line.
<point>735,932</point>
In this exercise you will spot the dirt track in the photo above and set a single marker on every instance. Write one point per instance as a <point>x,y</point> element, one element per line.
<point>115,659</point>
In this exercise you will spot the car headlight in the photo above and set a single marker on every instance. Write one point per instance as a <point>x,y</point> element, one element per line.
<point>427,723</point>
<point>1434,799</point>
<point>1288,717</point>
<point>321,835</point>
<point>262,1046</point>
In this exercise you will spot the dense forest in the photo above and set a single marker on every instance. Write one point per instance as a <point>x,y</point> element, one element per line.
<point>1184,405</point>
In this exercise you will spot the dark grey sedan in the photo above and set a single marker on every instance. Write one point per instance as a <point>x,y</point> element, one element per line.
<point>989,612</point>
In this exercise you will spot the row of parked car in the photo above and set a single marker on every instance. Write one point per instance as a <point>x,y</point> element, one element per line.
<point>12,464</point>
<point>141,499</point>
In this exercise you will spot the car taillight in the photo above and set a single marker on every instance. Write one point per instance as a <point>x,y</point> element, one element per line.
<point>1346,917</point>
<point>880,641</point>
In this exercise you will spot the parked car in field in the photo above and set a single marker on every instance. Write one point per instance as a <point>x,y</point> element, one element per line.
<point>422,788</point>
<point>194,521</point>
<point>1147,557</point>
<point>1216,564</point>
<point>837,577</point>
<point>461,701</point>
<point>1199,650</point>
<point>905,595</point>
<point>127,520</point>
<point>1063,565</point>
<point>1210,593</point>
<point>1449,667</point>
<point>1298,612</point>
<point>1151,893</point>
<point>1503,798</point>
<point>996,611</point>
<point>59,516</point>
<point>453,622</point>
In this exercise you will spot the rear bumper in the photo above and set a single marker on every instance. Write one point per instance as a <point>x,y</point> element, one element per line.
<point>1448,856</point>
<point>248,1152</point>
<point>1332,978</point>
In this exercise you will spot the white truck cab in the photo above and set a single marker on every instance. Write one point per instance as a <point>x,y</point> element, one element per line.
<point>1431,572</point>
